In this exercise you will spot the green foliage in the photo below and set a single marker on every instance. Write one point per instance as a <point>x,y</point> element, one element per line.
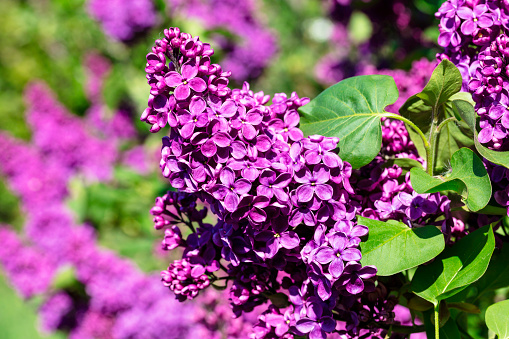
<point>497,274</point>
<point>444,82</point>
<point>456,267</point>
<point>434,105</point>
<point>448,331</point>
<point>468,174</point>
<point>351,110</point>
<point>394,247</point>
<point>497,318</point>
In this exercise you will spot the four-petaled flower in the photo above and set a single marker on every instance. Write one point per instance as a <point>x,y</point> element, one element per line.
<point>183,83</point>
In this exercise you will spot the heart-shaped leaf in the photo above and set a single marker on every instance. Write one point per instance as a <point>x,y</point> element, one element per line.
<point>351,110</point>
<point>497,274</point>
<point>468,172</point>
<point>445,81</point>
<point>467,112</point>
<point>497,318</point>
<point>456,267</point>
<point>394,247</point>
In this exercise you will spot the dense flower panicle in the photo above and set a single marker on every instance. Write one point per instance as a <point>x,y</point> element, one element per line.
<point>122,20</point>
<point>28,269</point>
<point>245,59</point>
<point>284,205</point>
<point>62,136</point>
<point>474,36</point>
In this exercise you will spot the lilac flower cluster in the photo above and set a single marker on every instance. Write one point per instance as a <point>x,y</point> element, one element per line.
<point>499,176</point>
<point>247,58</point>
<point>123,19</point>
<point>283,205</point>
<point>65,137</point>
<point>474,35</point>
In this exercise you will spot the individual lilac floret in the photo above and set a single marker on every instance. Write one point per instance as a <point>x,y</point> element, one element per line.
<point>337,254</point>
<point>183,84</point>
<point>316,322</point>
<point>478,17</point>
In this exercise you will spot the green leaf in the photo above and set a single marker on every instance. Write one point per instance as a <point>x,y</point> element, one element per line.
<point>468,173</point>
<point>456,267</point>
<point>467,112</point>
<point>497,319</point>
<point>351,110</point>
<point>453,136</point>
<point>445,81</point>
<point>394,247</point>
<point>497,274</point>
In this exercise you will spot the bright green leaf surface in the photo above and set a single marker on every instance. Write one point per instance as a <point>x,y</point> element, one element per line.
<point>456,267</point>
<point>467,112</point>
<point>415,110</point>
<point>468,172</point>
<point>445,81</point>
<point>497,319</point>
<point>351,110</point>
<point>497,274</point>
<point>394,247</point>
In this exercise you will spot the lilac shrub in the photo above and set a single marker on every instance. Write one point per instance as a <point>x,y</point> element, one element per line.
<point>283,206</point>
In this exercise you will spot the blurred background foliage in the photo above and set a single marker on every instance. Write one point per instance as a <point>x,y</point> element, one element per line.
<point>48,40</point>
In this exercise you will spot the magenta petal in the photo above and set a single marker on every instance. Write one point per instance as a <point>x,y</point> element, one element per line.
<point>209,149</point>
<point>182,92</point>
<point>312,157</point>
<point>338,241</point>
<point>251,174</point>
<point>231,201</point>
<point>254,118</point>
<point>173,79</point>
<point>351,254</point>
<point>324,289</point>
<point>465,13</point>
<point>280,194</point>
<point>486,134</point>
<point>159,103</point>
<point>305,325</point>
<point>267,177</point>
<point>336,267</point>
<point>324,192</point>
<point>242,186</point>
<point>248,131</point>
<point>222,139</point>
<point>274,319</point>
<point>367,272</point>
<point>405,198</point>
<point>468,27</point>
<point>355,285</point>
<point>485,21</point>
<point>292,118</point>
<point>290,240</point>
<point>258,215</point>
<point>228,109</point>
<point>296,218</point>
<point>325,255</point>
<point>303,176</point>
<point>197,105</point>
<point>505,120</point>
<point>317,333</point>
<point>321,174</point>
<point>305,193</point>
<point>198,84</point>
<point>263,143</point>
<point>295,134</point>
<point>227,177</point>
<point>219,192</point>
<point>187,130</point>
<point>189,70</point>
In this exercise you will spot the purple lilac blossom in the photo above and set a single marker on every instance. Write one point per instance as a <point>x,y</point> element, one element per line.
<point>247,58</point>
<point>283,208</point>
<point>123,19</point>
<point>474,37</point>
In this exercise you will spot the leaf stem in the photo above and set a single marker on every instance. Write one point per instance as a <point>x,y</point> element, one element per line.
<point>423,137</point>
<point>437,321</point>
<point>443,123</point>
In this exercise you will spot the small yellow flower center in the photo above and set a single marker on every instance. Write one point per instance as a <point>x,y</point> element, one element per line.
<point>277,235</point>
<point>475,20</point>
